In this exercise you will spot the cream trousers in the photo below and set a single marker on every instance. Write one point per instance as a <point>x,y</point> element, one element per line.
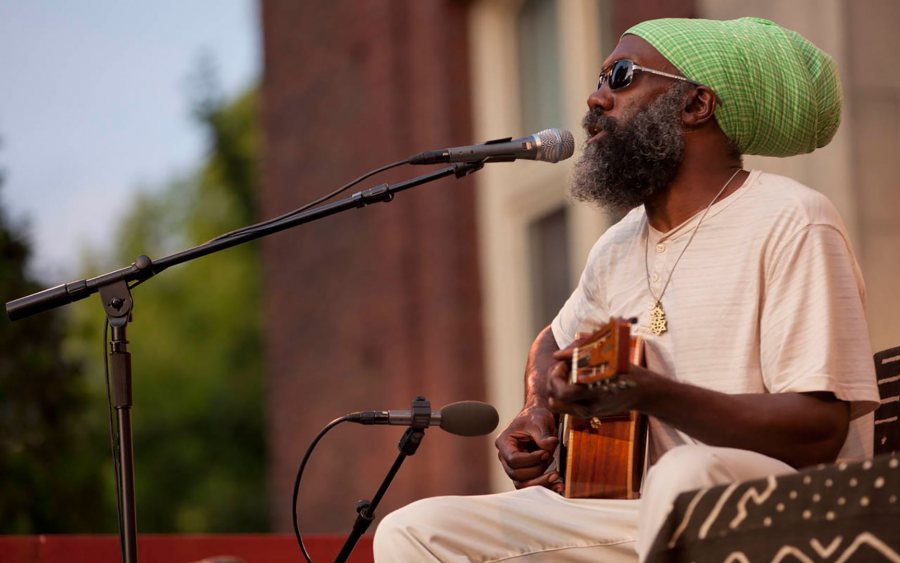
<point>536,524</point>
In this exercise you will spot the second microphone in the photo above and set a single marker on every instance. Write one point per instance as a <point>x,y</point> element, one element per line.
<point>464,418</point>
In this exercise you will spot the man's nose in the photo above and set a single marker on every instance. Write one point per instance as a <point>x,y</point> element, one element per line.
<point>600,98</point>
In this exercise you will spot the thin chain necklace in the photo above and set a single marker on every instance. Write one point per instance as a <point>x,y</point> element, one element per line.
<point>658,325</point>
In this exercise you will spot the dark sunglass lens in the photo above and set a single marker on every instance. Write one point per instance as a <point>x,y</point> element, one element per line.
<point>620,75</point>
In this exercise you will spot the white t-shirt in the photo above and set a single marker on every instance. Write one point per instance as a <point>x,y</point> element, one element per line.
<point>768,298</point>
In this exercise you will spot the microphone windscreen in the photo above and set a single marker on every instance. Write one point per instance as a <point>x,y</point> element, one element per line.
<point>556,144</point>
<point>469,418</point>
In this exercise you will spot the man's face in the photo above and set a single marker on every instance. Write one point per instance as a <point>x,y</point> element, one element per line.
<point>634,158</point>
<point>636,140</point>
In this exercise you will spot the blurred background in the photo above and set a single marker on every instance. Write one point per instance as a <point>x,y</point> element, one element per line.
<point>128,130</point>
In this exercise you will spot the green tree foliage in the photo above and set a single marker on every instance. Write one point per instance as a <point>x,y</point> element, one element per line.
<point>198,424</point>
<point>49,463</point>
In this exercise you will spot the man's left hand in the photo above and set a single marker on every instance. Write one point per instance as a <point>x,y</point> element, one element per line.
<point>584,401</point>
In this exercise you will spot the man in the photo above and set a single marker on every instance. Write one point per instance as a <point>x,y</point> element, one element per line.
<point>744,284</point>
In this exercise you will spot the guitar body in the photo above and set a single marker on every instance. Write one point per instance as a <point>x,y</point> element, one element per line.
<point>603,457</point>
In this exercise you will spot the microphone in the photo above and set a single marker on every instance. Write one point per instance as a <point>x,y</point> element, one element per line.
<point>464,418</point>
<point>549,145</point>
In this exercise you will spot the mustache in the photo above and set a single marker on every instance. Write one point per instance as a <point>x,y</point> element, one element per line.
<point>594,120</point>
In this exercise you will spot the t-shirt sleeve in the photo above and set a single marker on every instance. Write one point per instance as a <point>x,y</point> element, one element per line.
<point>813,328</point>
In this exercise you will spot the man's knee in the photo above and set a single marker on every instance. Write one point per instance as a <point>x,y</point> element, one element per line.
<point>391,534</point>
<point>391,526</point>
<point>681,469</point>
<point>687,468</point>
<point>696,466</point>
<point>399,535</point>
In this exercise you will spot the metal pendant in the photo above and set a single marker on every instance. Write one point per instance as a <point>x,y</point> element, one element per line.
<point>657,319</point>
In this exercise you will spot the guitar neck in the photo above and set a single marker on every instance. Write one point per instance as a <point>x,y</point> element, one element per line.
<point>605,353</point>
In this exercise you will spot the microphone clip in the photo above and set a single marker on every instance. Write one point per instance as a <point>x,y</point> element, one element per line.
<point>462,169</point>
<point>421,413</point>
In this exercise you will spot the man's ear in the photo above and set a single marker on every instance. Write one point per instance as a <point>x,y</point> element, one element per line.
<point>700,107</point>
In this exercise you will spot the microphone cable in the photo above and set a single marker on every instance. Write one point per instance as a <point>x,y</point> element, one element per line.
<point>303,208</point>
<point>292,213</point>
<point>296,494</point>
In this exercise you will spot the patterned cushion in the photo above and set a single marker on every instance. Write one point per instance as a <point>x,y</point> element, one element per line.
<point>841,512</point>
<point>887,417</point>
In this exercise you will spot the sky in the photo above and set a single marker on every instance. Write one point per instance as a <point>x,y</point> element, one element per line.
<point>95,104</point>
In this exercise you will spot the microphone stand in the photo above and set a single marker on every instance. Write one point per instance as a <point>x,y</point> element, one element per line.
<point>409,443</point>
<point>118,304</point>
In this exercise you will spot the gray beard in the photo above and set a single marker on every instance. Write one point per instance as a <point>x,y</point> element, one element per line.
<point>635,160</point>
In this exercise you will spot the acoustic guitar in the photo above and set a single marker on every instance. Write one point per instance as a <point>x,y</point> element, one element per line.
<point>603,457</point>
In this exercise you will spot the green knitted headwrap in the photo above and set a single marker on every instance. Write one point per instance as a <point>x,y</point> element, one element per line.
<point>780,94</point>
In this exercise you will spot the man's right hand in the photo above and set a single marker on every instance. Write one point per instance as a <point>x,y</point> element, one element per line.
<point>526,449</point>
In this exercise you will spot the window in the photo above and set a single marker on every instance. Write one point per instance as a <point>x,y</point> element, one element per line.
<point>549,257</point>
<point>604,25</point>
<point>539,76</point>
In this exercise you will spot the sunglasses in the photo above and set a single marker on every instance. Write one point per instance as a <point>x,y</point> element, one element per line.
<point>620,74</point>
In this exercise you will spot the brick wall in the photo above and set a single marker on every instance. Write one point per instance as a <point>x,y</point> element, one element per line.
<point>366,309</point>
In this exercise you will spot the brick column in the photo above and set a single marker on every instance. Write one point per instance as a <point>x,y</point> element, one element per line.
<point>366,309</point>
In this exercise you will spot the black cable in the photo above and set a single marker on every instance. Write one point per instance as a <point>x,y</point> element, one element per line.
<point>324,198</point>
<point>137,283</point>
<point>113,428</point>
<point>294,503</point>
<point>290,214</point>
